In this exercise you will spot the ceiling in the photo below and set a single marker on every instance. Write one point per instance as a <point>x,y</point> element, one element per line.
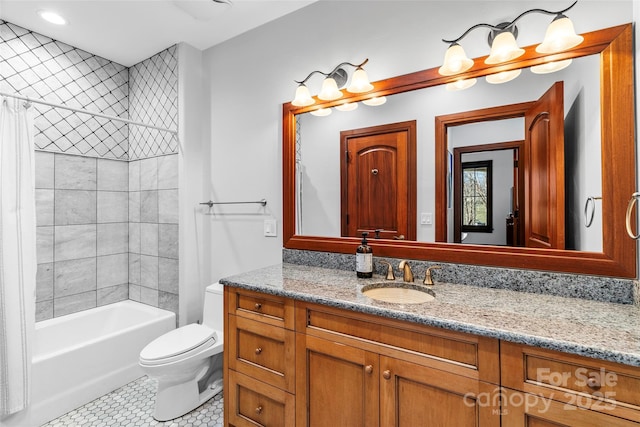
<point>130,31</point>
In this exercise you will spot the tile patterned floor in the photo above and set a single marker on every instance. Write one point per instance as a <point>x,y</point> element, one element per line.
<point>132,405</point>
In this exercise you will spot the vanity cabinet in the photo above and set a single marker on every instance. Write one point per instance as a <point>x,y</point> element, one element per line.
<point>259,352</point>
<point>361,370</point>
<point>544,388</point>
<point>293,363</point>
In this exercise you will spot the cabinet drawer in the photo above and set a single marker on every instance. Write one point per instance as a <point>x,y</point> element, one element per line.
<point>265,308</point>
<point>528,410</point>
<point>262,351</point>
<point>457,352</point>
<point>253,403</point>
<point>581,381</point>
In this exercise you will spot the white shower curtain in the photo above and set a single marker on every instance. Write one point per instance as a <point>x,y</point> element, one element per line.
<point>18,263</point>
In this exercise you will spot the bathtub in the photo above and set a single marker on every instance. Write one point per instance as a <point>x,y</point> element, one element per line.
<point>82,356</point>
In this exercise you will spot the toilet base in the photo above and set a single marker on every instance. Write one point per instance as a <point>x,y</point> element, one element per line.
<point>173,401</point>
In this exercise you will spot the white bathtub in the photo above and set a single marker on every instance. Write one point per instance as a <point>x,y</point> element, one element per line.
<point>82,356</point>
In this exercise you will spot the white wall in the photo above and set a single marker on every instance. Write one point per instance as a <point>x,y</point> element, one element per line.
<point>195,252</point>
<point>250,76</point>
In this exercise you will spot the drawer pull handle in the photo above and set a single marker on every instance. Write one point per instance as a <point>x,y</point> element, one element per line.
<point>258,306</point>
<point>258,350</point>
<point>593,383</point>
<point>368,369</point>
<point>386,374</point>
<point>259,410</point>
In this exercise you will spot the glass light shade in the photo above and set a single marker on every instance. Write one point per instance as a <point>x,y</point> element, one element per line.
<point>321,112</point>
<point>359,82</point>
<point>375,101</point>
<point>303,97</point>
<point>349,106</point>
<point>560,36</point>
<point>504,48</point>
<point>329,90</point>
<point>461,84</point>
<point>551,67</point>
<point>503,77</point>
<point>455,61</point>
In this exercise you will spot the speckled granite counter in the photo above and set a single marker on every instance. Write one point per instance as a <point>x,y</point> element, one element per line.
<point>600,330</point>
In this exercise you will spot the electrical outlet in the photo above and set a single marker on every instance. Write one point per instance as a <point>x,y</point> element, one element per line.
<point>270,228</point>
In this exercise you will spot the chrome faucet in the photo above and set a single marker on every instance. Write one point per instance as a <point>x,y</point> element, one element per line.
<point>428,279</point>
<point>407,274</point>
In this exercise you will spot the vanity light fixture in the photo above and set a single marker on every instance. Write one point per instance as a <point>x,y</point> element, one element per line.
<point>551,67</point>
<point>560,36</point>
<point>321,112</point>
<point>334,80</point>
<point>460,84</point>
<point>347,106</point>
<point>503,77</point>
<point>375,101</point>
<point>52,17</point>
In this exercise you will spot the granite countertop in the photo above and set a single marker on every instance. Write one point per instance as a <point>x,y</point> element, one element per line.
<point>601,330</point>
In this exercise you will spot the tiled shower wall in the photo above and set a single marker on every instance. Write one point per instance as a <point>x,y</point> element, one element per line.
<point>153,182</point>
<point>85,206</point>
<point>81,213</point>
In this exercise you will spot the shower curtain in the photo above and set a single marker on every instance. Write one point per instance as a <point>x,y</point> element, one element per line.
<point>18,263</point>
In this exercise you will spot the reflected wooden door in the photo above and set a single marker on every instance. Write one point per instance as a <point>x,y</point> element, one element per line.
<point>378,181</point>
<point>544,176</point>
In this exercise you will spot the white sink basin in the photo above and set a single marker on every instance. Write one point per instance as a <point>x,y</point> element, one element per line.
<point>399,293</point>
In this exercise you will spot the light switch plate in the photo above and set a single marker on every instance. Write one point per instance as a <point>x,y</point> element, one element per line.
<point>426,218</point>
<point>270,228</point>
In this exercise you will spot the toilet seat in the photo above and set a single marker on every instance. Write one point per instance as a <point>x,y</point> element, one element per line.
<point>178,344</point>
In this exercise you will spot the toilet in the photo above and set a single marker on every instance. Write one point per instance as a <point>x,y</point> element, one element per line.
<point>187,361</point>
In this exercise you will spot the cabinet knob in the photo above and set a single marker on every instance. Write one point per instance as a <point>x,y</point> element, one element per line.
<point>593,383</point>
<point>258,350</point>
<point>259,410</point>
<point>386,374</point>
<point>258,306</point>
<point>368,369</point>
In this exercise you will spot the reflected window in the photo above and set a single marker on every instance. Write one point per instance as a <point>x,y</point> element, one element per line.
<point>476,197</point>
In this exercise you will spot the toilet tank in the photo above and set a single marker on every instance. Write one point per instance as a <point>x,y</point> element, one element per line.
<point>212,314</point>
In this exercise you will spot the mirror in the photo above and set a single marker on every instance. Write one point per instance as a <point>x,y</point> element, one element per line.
<point>610,253</point>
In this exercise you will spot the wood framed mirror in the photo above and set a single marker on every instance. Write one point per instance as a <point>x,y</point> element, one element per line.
<point>618,256</point>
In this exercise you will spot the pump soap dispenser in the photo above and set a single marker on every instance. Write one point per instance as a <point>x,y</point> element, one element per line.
<point>364,258</point>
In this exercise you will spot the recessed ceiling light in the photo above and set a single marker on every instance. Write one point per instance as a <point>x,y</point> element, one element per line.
<point>52,17</point>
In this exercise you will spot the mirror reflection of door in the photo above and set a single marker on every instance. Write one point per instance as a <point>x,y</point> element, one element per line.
<point>535,217</point>
<point>487,194</point>
<point>378,176</point>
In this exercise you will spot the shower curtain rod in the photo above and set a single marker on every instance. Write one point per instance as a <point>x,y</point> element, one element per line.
<point>78,110</point>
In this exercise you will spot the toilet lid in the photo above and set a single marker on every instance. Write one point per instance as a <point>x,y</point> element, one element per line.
<point>178,341</point>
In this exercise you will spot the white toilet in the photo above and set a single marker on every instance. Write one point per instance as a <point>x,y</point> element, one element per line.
<point>187,362</point>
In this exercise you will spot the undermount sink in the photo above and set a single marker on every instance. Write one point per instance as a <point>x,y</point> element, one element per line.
<point>399,293</point>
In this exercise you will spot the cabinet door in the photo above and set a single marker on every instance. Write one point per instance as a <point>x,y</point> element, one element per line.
<point>336,385</point>
<point>529,410</point>
<point>415,395</point>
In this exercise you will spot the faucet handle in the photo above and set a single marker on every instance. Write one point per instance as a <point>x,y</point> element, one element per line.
<point>390,275</point>
<point>428,279</point>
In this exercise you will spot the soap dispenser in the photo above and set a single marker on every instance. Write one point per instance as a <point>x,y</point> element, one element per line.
<point>364,258</point>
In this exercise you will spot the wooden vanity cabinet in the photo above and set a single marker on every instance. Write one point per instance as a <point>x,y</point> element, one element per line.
<point>549,388</point>
<point>302,364</point>
<point>360,370</point>
<point>259,352</point>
